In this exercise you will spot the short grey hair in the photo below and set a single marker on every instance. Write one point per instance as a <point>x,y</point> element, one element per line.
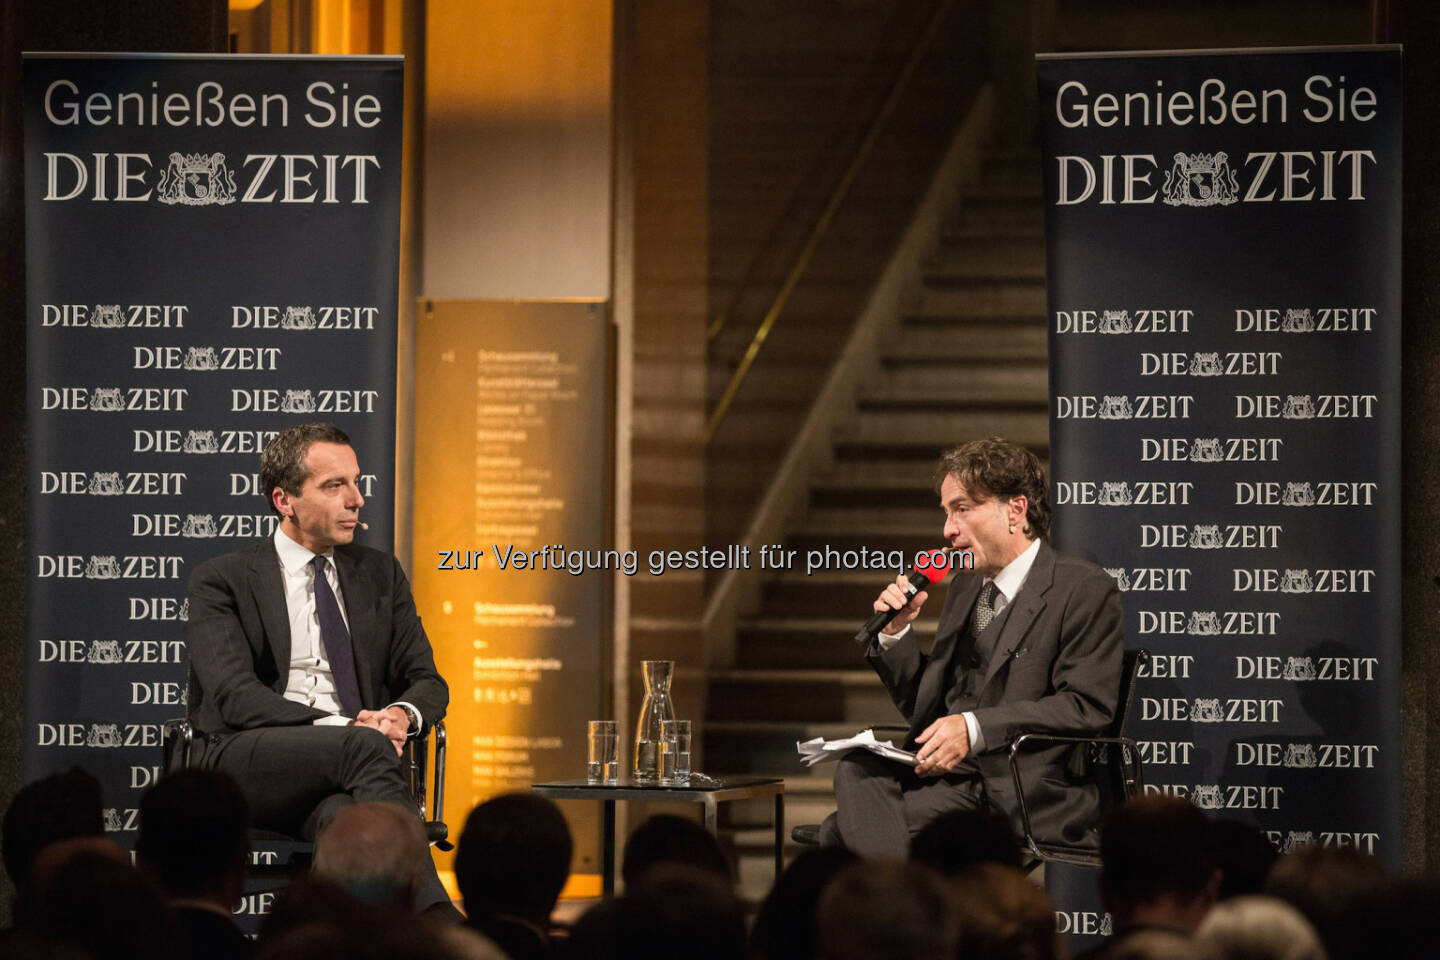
<point>375,851</point>
<point>1256,928</point>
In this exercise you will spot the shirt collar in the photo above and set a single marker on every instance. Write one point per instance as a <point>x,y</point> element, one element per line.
<point>1009,580</point>
<point>293,557</point>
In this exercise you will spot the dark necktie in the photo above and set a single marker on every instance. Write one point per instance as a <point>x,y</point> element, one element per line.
<point>336,640</point>
<point>985,607</point>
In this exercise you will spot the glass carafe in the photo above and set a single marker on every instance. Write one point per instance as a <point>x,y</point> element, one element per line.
<point>655,709</point>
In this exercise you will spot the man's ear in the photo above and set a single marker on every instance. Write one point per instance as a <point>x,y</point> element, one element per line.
<point>281,500</point>
<point>1017,509</point>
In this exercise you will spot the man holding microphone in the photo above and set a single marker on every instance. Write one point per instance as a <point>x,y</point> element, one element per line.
<point>1029,641</point>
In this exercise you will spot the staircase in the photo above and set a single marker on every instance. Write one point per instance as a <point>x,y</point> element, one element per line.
<point>970,361</point>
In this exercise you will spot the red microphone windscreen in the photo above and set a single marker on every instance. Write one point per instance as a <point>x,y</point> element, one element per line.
<point>933,563</point>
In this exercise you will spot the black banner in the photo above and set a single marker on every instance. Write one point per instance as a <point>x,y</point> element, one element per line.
<point>211,251</point>
<point>1223,238</point>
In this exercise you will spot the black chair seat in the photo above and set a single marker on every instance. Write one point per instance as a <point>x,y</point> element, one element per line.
<point>279,857</point>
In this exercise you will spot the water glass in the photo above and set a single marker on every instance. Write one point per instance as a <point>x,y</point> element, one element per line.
<point>675,752</point>
<point>603,765</point>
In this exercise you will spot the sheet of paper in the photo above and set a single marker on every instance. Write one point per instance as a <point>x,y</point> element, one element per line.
<point>821,750</point>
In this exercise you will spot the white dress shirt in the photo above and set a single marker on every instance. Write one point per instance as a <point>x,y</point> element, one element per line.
<point>309,680</point>
<point>1007,584</point>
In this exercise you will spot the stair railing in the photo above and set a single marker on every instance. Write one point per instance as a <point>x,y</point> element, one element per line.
<point>822,224</point>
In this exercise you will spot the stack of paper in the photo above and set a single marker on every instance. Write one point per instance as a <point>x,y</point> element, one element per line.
<point>820,750</point>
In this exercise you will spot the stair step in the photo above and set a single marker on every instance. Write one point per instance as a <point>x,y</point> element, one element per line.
<point>999,211</point>
<point>878,519</point>
<point>887,540</point>
<point>804,642</point>
<point>971,383</point>
<point>1011,169</point>
<point>852,696</point>
<point>945,340</point>
<point>979,299</point>
<point>988,257</point>
<point>942,429</point>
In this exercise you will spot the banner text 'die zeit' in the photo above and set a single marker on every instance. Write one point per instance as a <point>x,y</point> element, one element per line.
<point>211,255</point>
<point>1223,245</point>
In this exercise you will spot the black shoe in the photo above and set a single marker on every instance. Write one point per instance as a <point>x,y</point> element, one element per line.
<point>807,834</point>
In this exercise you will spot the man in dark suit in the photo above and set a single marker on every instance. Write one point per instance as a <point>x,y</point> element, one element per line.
<point>1029,640</point>
<point>310,666</point>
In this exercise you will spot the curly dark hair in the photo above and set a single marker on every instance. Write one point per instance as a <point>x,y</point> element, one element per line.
<point>282,462</point>
<point>996,467</point>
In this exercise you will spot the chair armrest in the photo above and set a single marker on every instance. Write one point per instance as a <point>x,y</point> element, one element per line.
<point>175,734</point>
<point>1128,748</point>
<point>438,729</point>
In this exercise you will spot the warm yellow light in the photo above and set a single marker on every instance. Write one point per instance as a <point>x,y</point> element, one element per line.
<point>243,6</point>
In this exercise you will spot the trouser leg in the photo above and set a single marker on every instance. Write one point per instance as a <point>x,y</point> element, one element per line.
<point>869,806</point>
<point>297,778</point>
<point>881,804</point>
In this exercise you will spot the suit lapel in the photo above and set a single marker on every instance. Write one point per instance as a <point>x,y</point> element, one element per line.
<point>358,591</point>
<point>1022,611</point>
<point>267,581</point>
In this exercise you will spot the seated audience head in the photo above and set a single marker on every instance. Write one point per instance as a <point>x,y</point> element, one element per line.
<point>887,909</point>
<point>785,926</point>
<point>375,852</point>
<point>1326,884</point>
<point>1396,921</point>
<point>83,891</point>
<point>670,839</point>
<point>1158,869</point>
<point>54,808</point>
<point>1150,943</point>
<point>953,841</point>
<point>1244,855</point>
<point>194,836</point>
<point>1003,916</point>
<point>514,857</point>
<point>673,911</point>
<point>1256,928</point>
<point>314,919</point>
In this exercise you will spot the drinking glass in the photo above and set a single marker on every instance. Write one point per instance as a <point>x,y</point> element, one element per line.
<point>675,752</point>
<point>603,765</point>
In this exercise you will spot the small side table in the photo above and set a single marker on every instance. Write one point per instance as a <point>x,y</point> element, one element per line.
<point>733,788</point>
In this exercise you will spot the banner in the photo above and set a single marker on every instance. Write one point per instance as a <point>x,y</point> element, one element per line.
<point>511,521</point>
<point>1223,250</point>
<point>211,252</point>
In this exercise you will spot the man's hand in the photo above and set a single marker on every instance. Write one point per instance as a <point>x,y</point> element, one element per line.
<point>392,721</point>
<point>945,743</point>
<point>893,598</point>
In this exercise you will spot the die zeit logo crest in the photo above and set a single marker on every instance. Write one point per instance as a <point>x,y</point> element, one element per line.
<point>1297,321</point>
<point>201,358</point>
<point>107,316</point>
<point>196,180</point>
<point>200,441</point>
<point>1200,180</point>
<point>1115,322</point>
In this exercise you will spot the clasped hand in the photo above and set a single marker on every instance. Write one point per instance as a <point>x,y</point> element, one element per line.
<point>392,721</point>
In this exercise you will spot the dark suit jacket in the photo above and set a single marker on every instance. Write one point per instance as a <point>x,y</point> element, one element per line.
<point>1055,668</point>
<point>238,636</point>
<point>206,935</point>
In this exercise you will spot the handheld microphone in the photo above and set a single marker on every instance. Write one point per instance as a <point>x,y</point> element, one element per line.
<point>930,568</point>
